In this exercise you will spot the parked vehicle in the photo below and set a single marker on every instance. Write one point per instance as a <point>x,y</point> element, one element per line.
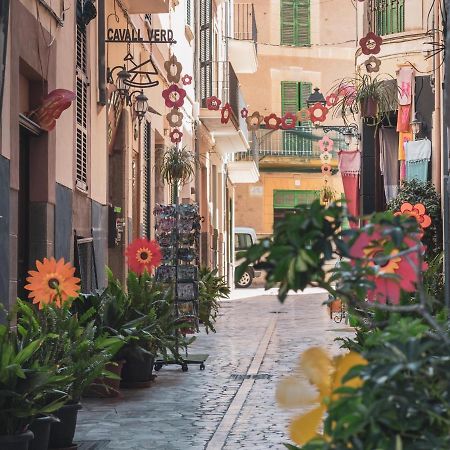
<point>244,238</point>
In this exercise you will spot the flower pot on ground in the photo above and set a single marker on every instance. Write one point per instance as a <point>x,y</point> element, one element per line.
<point>40,427</point>
<point>16,442</point>
<point>62,432</point>
<point>137,369</point>
<point>107,387</point>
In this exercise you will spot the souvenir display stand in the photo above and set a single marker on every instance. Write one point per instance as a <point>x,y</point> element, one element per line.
<point>178,233</point>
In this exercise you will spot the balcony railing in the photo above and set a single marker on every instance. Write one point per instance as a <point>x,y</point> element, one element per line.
<point>224,85</point>
<point>245,28</point>
<point>387,16</point>
<point>301,142</point>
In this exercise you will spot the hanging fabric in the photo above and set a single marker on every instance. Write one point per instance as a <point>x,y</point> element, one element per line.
<point>402,139</point>
<point>404,119</point>
<point>405,78</point>
<point>350,168</point>
<point>389,162</point>
<point>418,155</point>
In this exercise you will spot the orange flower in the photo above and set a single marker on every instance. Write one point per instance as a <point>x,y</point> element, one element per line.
<point>417,211</point>
<point>53,282</point>
<point>143,255</point>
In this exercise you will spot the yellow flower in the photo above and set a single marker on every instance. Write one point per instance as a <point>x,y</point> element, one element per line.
<point>324,375</point>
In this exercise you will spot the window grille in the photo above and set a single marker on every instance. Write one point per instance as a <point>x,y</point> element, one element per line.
<point>82,84</point>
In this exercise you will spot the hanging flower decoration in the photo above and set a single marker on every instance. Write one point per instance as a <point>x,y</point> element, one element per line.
<point>304,115</point>
<point>175,136</point>
<point>272,121</point>
<point>395,273</point>
<point>288,121</point>
<point>174,96</point>
<point>324,375</point>
<point>244,113</point>
<point>371,43</point>
<point>326,144</point>
<point>143,255</point>
<point>175,118</point>
<point>348,91</point>
<point>326,170</point>
<point>226,114</point>
<point>318,112</point>
<point>332,99</point>
<point>326,157</point>
<point>52,283</point>
<point>186,80</point>
<point>173,69</point>
<point>213,103</point>
<point>254,121</point>
<point>417,211</point>
<point>372,64</point>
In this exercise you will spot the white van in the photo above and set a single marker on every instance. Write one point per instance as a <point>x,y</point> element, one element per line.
<point>244,238</point>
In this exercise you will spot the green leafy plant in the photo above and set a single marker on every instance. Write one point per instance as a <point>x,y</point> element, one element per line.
<point>361,93</point>
<point>27,387</point>
<point>212,288</point>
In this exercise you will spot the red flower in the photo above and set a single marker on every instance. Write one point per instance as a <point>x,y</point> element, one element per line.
<point>326,144</point>
<point>225,113</point>
<point>332,99</point>
<point>244,113</point>
<point>326,169</point>
<point>371,43</point>
<point>175,136</point>
<point>397,273</point>
<point>143,255</point>
<point>272,121</point>
<point>288,121</point>
<point>418,211</point>
<point>186,80</point>
<point>318,112</point>
<point>174,96</point>
<point>213,103</point>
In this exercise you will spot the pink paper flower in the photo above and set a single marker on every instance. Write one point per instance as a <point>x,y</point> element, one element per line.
<point>398,273</point>
<point>326,144</point>
<point>213,103</point>
<point>225,113</point>
<point>318,112</point>
<point>332,99</point>
<point>175,136</point>
<point>186,80</point>
<point>174,96</point>
<point>244,113</point>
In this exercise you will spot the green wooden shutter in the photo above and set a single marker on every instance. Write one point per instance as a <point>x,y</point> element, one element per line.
<point>289,97</point>
<point>295,22</point>
<point>305,90</point>
<point>205,50</point>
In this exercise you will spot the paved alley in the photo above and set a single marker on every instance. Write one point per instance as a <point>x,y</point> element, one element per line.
<point>231,404</point>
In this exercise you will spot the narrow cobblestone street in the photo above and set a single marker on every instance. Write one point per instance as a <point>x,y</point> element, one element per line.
<point>231,404</point>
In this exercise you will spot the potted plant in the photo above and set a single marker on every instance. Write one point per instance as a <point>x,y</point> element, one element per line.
<point>27,388</point>
<point>178,168</point>
<point>371,97</point>
<point>327,194</point>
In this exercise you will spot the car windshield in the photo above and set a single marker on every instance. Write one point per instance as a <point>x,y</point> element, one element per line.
<point>242,241</point>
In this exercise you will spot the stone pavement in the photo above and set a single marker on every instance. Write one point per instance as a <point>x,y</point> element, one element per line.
<point>231,404</point>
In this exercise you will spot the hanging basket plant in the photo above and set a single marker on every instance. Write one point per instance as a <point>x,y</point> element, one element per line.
<point>178,166</point>
<point>372,97</point>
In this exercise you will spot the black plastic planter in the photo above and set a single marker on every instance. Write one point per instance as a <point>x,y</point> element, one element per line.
<point>16,442</point>
<point>41,430</point>
<point>137,371</point>
<point>62,433</point>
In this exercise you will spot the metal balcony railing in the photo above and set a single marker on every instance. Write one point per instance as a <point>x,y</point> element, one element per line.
<point>387,16</point>
<point>245,28</point>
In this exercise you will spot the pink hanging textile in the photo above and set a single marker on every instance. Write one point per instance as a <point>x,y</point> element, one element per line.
<point>404,119</point>
<point>350,167</point>
<point>404,83</point>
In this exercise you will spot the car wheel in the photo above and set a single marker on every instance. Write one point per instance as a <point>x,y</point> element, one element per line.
<point>245,281</point>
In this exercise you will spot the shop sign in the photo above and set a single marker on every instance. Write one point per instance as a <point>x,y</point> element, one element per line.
<point>125,35</point>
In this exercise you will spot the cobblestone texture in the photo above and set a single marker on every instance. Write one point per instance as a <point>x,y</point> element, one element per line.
<point>183,410</point>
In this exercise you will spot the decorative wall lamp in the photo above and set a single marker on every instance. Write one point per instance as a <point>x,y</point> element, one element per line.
<point>416,124</point>
<point>140,106</point>
<point>120,80</point>
<point>316,97</point>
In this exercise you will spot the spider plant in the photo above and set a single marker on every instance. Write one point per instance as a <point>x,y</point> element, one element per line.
<point>178,168</point>
<point>370,97</point>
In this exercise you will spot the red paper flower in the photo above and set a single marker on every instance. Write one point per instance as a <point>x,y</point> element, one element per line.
<point>226,113</point>
<point>213,103</point>
<point>304,115</point>
<point>318,112</point>
<point>272,121</point>
<point>397,272</point>
<point>418,211</point>
<point>332,99</point>
<point>244,113</point>
<point>186,80</point>
<point>174,96</point>
<point>326,169</point>
<point>288,121</point>
<point>175,136</point>
<point>143,255</point>
<point>371,43</point>
<point>326,144</point>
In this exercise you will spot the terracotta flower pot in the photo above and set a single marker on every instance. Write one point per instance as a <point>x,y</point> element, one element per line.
<point>369,107</point>
<point>62,433</point>
<point>106,387</point>
<point>16,442</point>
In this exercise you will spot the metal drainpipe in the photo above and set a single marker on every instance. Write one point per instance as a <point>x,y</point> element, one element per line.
<point>445,165</point>
<point>196,17</point>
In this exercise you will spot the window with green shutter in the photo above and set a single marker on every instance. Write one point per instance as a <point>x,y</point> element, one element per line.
<point>295,22</point>
<point>289,199</point>
<point>388,16</point>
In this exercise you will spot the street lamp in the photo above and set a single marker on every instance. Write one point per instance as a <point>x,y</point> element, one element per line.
<point>140,104</point>
<point>120,81</point>
<point>416,124</point>
<point>316,97</point>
